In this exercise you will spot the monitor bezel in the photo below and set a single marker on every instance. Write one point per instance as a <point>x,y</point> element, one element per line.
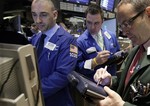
<point>80,3</point>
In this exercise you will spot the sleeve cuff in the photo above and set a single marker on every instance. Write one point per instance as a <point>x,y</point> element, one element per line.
<point>88,64</point>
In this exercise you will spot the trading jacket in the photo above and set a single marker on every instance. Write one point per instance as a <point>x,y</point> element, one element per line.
<point>86,41</point>
<point>54,66</point>
<point>139,79</point>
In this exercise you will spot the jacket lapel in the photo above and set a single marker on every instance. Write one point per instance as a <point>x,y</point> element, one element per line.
<point>124,68</point>
<point>91,41</point>
<point>139,68</point>
<point>142,63</point>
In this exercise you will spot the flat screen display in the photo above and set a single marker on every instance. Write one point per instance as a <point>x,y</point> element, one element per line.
<point>83,2</point>
<point>107,5</point>
<point>110,25</point>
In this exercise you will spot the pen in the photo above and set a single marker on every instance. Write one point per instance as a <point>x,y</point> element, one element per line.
<point>147,88</point>
<point>99,80</point>
<point>105,68</point>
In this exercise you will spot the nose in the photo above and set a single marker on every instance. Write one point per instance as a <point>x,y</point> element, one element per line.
<point>92,26</point>
<point>127,34</point>
<point>125,31</point>
<point>38,19</point>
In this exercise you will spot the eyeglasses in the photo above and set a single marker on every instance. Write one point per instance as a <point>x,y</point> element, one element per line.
<point>127,24</point>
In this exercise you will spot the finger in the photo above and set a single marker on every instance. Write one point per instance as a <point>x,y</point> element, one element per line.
<point>101,77</point>
<point>106,74</point>
<point>109,91</point>
<point>105,51</point>
<point>97,78</point>
<point>97,75</point>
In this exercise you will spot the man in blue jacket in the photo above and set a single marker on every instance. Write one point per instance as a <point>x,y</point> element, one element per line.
<point>58,57</point>
<point>95,44</point>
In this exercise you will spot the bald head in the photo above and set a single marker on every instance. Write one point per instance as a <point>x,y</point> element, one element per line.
<point>44,14</point>
<point>47,1</point>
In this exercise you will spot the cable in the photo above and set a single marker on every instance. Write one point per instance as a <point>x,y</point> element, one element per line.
<point>9,74</point>
<point>1,89</point>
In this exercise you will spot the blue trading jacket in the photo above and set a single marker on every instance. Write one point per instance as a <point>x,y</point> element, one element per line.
<point>54,66</point>
<point>86,41</point>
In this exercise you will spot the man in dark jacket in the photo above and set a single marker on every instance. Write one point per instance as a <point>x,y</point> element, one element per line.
<point>133,87</point>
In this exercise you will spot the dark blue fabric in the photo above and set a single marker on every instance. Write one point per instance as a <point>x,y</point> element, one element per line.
<point>40,44</point>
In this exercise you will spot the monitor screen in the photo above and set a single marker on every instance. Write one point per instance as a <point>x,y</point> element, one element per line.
<point>110,24</point>
<point>10,5</point>
<point>82,2</point>
<point>107,5</point>
<point>13,23</point>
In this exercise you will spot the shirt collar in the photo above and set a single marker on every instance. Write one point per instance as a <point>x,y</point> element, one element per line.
<point>52,31</point>
<point>99,34</point>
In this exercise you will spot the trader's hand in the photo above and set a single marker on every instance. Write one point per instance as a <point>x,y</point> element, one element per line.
<point>102,77</point>
<point>102,57</point>
<point>113,99</point>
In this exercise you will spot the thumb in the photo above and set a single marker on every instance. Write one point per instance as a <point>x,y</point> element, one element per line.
<point>109,91</point>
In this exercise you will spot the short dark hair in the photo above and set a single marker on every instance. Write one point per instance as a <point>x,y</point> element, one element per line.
<point>94,9</point>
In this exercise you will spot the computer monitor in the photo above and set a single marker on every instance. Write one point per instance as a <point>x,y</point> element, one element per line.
<point>11,5</point>
<point>13,23</point>
<point>82,2</point>
<point>110,24</point>
<point>19,78</point>
<point>108,5</point>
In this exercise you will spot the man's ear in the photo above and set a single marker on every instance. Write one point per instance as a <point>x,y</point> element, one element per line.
<point>148,11</point>
<point>55,13</point>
